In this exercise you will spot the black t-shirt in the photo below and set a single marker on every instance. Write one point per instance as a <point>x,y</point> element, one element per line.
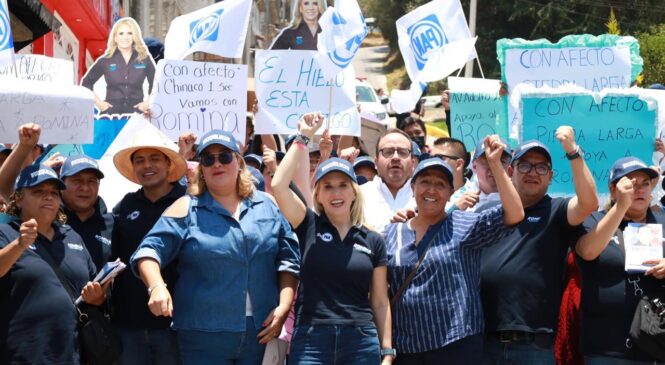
<point>608,300</point>
<point>335,275</point>
<point>522,277</point>
<point>95,231</point>
<point>37,316</point>
<point>134,217</point>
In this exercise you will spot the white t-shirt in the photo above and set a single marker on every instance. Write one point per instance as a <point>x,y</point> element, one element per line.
<point>380,205</point>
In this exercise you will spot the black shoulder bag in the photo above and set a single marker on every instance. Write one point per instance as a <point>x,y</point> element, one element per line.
<point>100,344</point>
<point>647,330</point>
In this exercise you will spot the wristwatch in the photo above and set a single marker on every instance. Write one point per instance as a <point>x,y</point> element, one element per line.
<point>302,139</point>
<point>577,154</point>
<point>389,352</point>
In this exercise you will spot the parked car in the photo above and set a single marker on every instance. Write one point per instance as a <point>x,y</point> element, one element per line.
<point>369,102</point>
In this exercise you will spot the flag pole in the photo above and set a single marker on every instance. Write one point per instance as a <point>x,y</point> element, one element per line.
<point>330,98</point>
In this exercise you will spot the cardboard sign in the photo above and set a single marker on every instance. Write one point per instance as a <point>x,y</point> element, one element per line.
<point>476,110</point>
<point>607,127</point>
<point>65,113</point>
<point>40,68</point>
<point>290,83</point>
<point>198,97</point>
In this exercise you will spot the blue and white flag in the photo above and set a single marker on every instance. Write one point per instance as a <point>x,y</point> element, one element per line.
<point>434,40</point>
<point>218,29</point>
<point>6,39</point>
<point>343,29</point>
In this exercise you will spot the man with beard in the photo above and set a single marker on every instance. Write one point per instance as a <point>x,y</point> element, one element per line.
<point>390,189</point>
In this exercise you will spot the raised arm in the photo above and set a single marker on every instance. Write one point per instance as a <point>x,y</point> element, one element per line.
<point>28,136</point>
<point>591,244</point>
<point>292,208</point>
<point>513,211</point>
<point>585,200</point>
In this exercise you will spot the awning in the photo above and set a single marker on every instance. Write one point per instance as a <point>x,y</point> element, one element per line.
<point>30,20</point>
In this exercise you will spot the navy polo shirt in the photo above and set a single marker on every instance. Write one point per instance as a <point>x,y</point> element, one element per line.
<point>95,231</point>
<point>134,217</point>
<point>124,80</point>
<point>336,274</point>
<point>37,316</point>
<point>522,275</point>
<point>608,300</point>
<point>298,38</point>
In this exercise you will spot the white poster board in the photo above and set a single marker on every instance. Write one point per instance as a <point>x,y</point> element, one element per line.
<point>197,97</point>
<point>40,68</point>
<point>65,113</point>
<point>289,83</point>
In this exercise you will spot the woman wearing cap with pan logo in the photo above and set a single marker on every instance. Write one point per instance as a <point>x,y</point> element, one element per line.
<point>37,314</point>
<point>437,313</point>
<point>608,300</point>
<point>342,310</point>
<point>237,261</point>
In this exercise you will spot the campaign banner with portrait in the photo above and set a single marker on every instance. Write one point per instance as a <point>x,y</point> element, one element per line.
<point>122,78</point>
<point>290,83</point>
<point>198,97</point>
<point>40,68</point>
<point>608,125</point>
<point>65,113</point>
<point>590,62</point>
<point>476,110</point>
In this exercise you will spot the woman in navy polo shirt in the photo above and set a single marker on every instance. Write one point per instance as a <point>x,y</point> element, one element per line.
<point>37,314</point>
<point>438,318</point>
<point>238,261</point>
<point>608,299</point>
<point>342,310</point>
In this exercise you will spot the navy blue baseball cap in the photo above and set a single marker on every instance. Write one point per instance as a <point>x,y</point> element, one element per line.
<point>480,149</point>
<point>626,165</point>
<point>34,175</point>
<point>77,163</point>
<point>289,139</point>
<point>254,158</point>
<point>415,150</point>
<point>257,178</point>
<point>531,145</point>
<point>335,164</point>
<point>220,137</point>
<point>364,161</point>
<point>434,163</point>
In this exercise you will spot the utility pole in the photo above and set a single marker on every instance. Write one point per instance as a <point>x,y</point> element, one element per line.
<point>468,72</point>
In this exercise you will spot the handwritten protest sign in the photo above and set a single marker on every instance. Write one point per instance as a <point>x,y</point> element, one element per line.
<point>476,110</point>
<point>290,83</point>
<point>607,127</point>
<point>65,113</point>
<point>592,63</point>
<point>40,68</point>
<point>198,97</point>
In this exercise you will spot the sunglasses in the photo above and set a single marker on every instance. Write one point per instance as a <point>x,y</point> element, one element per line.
<point>224,158</point>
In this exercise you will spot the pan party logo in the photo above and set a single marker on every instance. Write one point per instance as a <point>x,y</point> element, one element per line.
<point>426,35</point>
<point>206,28</point>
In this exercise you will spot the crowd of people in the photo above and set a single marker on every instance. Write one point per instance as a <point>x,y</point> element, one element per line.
<point>320,253</point>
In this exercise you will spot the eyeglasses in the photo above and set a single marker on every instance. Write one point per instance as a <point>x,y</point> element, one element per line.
<point>525,168</point>
<point>224,158</point>
<point>389,152</point>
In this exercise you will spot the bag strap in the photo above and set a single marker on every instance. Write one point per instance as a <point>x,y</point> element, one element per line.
<point>44,254</point>
<point>632,279</point>
<point>413,272</point>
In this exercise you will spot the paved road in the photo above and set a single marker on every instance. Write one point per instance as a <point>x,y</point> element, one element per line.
<point>369,63</point>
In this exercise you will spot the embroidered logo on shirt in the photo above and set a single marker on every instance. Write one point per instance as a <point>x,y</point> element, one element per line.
<point>533,219</point>
<point>615,239</point>
<point>362,249</point>
<point>326,237</point>
<point>113,67</point>
<point>75,246</point>
<point>133,215</point>
<point>103,240</point>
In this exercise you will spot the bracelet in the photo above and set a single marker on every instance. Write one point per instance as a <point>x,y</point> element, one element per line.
<point>301,138</point>
<point>150,289</point>
<point>577,154</point>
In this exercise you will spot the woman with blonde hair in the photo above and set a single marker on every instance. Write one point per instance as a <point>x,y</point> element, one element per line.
<point>342,310</point>
<point>237,261</point>
<point>302,32</point>
<point>125,65</point>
